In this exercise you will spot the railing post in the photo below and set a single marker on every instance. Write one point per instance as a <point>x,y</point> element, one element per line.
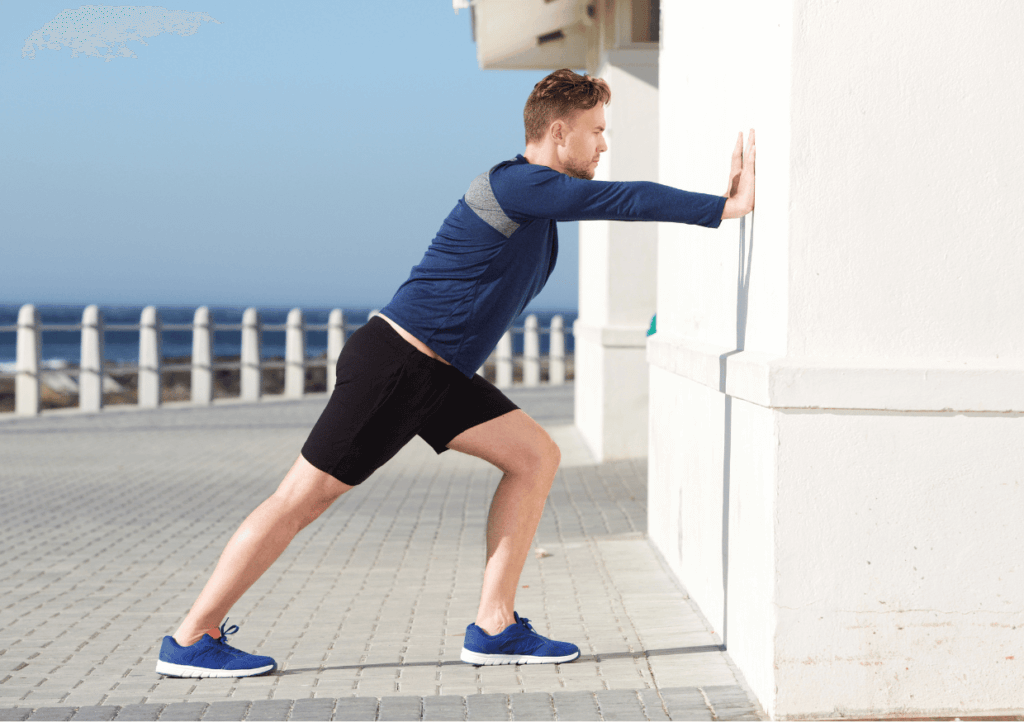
<point>531,352</point>
<point>149,358</point>
<point>503,361</point>
<point>202,357</point>
<point>556,352</point>
<point>26,367</point>
<point>90,366</point>
<point>251,380</point>
<point>295,355</point>
<point>335,342</point>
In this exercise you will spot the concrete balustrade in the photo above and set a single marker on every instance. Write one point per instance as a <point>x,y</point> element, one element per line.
<point>93,375</point>
<point>202,357</point>
<point>295,355</point>
<point>335,342</point>
<point>90,375</point>
<point>149,358</point>
<point>531,352</point>
<point>251,381</point>
<point>503,361</point>
<point>26,368</point>
<point>556,354</point>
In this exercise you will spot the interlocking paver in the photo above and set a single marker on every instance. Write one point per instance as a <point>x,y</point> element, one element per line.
<point>267,709</point>
<point>313,709</point>
<point>654,706</point>
<point>620,705</point>
<point>575,705</point>
<point>487,707</point>
<point>140,712</point>
<point>226,711</point>
<point>400,708</point>
<point>356,709</point>
<point>184,712</point>
<point>96,713</point>
<point>53,714</point>
<point>367,606</point>
<point>445,707</point>
<point>686,703</point>
<point>531,706</point>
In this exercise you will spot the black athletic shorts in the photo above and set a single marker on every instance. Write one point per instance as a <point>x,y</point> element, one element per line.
<point>388,392</point>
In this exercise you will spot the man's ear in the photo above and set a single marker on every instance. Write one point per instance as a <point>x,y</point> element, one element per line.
<point>557,131</point>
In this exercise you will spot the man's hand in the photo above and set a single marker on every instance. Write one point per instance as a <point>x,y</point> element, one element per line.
<point>740,193</point>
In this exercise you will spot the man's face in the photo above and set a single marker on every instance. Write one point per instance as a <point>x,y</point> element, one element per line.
<point>584,143</point>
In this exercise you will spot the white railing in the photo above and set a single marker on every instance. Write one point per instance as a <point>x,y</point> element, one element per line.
<point>93,369</point>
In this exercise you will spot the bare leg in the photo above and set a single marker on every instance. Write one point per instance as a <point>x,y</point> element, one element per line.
<point>305,494</point>
<point>518,446</point>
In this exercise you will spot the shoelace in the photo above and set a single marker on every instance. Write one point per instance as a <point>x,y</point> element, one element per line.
<point>525,622</point>
<point>225,630</point>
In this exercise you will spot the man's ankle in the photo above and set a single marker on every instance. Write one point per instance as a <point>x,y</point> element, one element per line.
<point>494,625</point>
<point>187,639</point>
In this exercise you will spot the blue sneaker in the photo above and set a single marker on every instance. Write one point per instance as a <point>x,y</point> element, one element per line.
<point>211,657</point>
<point>518,644</point>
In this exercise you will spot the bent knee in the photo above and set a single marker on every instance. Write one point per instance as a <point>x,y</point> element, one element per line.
<point>542,458</point>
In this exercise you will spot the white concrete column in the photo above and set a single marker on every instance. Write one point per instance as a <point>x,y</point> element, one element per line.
<point>295,355</point>
<point>251,381</point>
<point>26,367</point>
<point>149,358</point>
<point>837,382</point>
<point>90,374</point>
<point>531,352</point>
<point>503,361</point>
<point>335,343</point>
<point>202,357</point>
<point>618,271</point>
<point>556,352</point>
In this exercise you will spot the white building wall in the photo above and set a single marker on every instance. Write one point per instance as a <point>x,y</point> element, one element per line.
<point>899,576</point>
<point>837,384</point>
<point>907,180</point>
<point>720,291</point>
<point>618,263</point>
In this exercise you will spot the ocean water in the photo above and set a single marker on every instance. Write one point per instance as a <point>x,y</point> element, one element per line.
<point>123,346</point>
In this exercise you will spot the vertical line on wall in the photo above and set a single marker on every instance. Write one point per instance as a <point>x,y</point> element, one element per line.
<point>745,255</point>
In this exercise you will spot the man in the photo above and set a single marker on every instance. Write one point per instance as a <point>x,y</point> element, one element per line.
<point>410,371</point>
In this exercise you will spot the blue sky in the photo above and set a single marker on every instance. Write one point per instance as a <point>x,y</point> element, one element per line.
<point>293,154</point>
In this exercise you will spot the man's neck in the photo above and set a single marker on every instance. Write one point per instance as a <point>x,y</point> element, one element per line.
<point>541,156</point>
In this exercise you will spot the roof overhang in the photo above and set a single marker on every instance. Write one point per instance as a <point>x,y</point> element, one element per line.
<point>531,34</point>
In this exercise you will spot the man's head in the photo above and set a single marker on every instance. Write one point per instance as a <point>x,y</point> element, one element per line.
<point>564,118</point>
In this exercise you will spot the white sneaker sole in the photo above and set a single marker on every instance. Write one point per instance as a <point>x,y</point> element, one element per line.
<point>181,670</point>
<point>492,659</point>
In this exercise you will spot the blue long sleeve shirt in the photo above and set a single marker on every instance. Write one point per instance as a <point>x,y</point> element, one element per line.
<point>498,246</point>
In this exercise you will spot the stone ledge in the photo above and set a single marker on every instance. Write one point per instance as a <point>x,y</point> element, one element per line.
<point>975,385</point>
<point>611,336</point>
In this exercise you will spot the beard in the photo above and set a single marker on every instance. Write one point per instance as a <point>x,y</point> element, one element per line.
<point>578,170</point>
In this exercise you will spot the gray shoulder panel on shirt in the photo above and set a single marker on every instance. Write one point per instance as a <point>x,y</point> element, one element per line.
<point>480,198</point>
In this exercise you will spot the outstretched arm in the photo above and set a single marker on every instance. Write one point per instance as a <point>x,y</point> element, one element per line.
<point>739,196</point>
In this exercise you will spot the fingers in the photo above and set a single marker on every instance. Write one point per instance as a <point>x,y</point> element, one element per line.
<point>742,166</point>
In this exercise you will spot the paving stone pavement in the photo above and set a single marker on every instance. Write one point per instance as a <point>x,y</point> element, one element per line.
<point>112,522</point>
